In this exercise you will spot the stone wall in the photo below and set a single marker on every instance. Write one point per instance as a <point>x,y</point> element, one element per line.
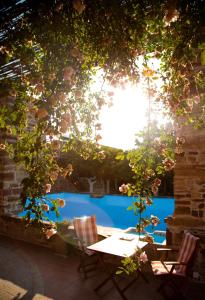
<point>10,183</point>
<point>189,190</point>
<point>16,228</point>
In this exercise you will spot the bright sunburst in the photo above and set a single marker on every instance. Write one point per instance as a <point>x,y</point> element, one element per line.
<point>127,116</point>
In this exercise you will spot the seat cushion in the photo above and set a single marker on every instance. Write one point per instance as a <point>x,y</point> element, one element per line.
<point>160,268</point>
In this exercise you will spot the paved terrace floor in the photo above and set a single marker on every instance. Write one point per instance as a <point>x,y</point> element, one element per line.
<point>32,272</point>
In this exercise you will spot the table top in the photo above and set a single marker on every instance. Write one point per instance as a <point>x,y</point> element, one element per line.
<point>120,244</point>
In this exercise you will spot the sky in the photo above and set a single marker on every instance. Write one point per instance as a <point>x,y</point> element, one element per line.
<point>126,117</point>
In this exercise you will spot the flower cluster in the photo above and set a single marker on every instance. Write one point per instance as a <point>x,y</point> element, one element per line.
<point>41,113</point>
<point>149,173</point>
<point>68,73</point>
<point>155,186</point>
<point>61,202</point>
<point>143,257</point>
<point>148,238</point>
<point>45,207</point>
<point>148,72</point>
<point>148,201</point>
<point>124,188</point>
<point>154,220</point>
<point>169,164</point>
<point>47,188</point>
<point>101,154</point>
<point>79,6</point>
<point>68,170</point>
<point>179,145</point>
<point>2,147</point>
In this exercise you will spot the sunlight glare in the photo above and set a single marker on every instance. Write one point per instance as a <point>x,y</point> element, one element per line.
<point>127,116</point>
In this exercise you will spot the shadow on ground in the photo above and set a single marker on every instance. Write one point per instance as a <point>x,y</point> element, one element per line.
<point>32,272</point>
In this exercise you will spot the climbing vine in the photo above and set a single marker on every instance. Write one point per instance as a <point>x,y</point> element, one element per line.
<point>52,52</point>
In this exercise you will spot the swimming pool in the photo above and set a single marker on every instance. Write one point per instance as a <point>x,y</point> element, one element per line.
<point>111,210</point>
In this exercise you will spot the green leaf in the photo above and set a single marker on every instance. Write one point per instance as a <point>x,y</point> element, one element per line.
<point>203,57</point>
<point>120,156</point>
<point>118,272</point>
<point>130,208</point>
<point>201,46</point>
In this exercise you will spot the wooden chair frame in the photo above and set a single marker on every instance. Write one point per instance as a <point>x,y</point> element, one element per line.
<point>171,277</point>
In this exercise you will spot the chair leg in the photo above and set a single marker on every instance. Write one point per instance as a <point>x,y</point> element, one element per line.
<point>85,266</point>
<point>142,275</point>
<point>174,286</point>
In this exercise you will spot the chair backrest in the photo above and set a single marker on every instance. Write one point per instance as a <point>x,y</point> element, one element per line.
<point>86,230</point>
<point>187,253</point>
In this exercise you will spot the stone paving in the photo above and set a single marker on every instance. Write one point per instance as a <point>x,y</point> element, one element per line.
<point>31,272</point>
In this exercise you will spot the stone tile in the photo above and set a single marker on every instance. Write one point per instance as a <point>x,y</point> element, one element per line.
<point>30,272</point>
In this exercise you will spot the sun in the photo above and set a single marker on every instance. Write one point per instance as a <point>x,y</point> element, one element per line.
<point>127,116</point>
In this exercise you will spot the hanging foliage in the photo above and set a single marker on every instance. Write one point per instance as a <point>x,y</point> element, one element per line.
<point>51,52</point>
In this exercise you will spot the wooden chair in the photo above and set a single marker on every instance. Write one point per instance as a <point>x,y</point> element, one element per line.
<point>86,234</point>
<point>173,272</point>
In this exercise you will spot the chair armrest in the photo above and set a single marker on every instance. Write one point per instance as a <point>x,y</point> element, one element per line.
<point>164,253</point>
<point>164,249</point>
<point>175,263</point>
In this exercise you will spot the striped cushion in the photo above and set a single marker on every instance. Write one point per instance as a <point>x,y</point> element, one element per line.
<point>86,230</point>
<point>187,249</point>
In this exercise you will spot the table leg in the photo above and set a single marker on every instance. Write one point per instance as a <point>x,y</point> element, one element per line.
<point>142,275</point>
<point>111,276</point>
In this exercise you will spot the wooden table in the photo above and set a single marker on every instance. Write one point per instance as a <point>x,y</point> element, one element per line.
<point>121,245</point>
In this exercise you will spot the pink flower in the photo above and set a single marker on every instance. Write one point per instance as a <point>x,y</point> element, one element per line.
<point>78,93</point>
<point>61,202</point>
<point>48,188</point>
<point>61,97</point>
<point>180,141</point>
<point>98,137</point>
<point>13,93</point>
<point>45,207</point>
<point>98,126</point>
<point>41,113</point>
<point>101,154</point>
<point>53,100</point>
<point>154,189</point>
<point>179,150</point>
<point>79,6</point>
<point>148,72</point>
<point>2,147</point>
<point>169,164</point>
<point>154,220</point>
<point>68,73</point>
<point>148,238</point>
<point>149,173</point>
<point>123,188</point>
<point>143,257</point>
<point>190,103</point>
<point>157,182</point>
<point>75,52</point>
<point>50,232</point>
<point>148,200</point>
<point>39,87</point>
<point>197,99</point>
<point>110,94</point>
<point>56,145</point>
<point>64,126</point>
<point>54,176</point>
<point>171,16</point>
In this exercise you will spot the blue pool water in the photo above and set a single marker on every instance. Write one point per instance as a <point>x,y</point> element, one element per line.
<point>111,210</point>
